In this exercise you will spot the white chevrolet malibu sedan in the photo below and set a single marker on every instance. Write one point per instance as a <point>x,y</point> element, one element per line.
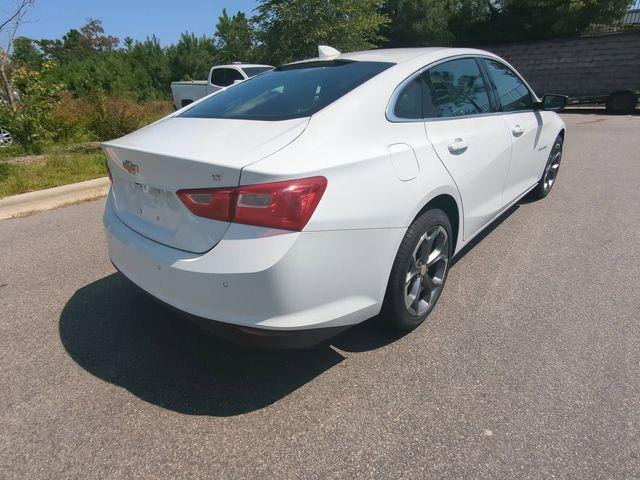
<point>325,192</point>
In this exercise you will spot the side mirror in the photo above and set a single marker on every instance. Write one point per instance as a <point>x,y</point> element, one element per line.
<point>553,103</point>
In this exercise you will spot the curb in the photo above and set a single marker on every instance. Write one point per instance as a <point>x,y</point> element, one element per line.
<point>32,202</point>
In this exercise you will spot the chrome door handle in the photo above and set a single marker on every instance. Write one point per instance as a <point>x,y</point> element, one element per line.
<point>458,146</point>
<point>517,131</point>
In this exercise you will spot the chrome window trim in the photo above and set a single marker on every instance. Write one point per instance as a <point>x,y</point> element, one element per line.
<point>391,105</point>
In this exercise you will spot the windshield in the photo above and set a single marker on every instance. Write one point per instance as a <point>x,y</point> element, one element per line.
<point>253,71</point>
<point>291,91</point>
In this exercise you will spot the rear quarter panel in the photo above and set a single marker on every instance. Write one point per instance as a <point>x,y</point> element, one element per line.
<point>348,143</point>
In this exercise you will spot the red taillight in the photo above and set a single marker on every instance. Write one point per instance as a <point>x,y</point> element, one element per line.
<point>286,205</point>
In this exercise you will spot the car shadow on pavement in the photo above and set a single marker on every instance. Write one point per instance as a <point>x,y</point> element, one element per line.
<point>120,335</point>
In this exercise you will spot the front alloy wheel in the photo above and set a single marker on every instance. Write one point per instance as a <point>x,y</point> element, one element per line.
<point>419,271</point>
<point>550,173</point>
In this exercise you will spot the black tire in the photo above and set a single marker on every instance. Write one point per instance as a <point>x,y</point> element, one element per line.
<point>544,186</point>
<point>622,102</point>
<point>395,312</point>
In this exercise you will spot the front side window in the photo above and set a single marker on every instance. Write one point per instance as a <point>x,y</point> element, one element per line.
<point>455,89</point>
<point>512,93</point>
<point>292,91</point>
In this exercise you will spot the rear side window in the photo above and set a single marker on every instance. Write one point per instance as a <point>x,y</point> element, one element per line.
<point>291,91</point>
<point>512,93</point>
<point>409,101</point>
<point>455,89</point>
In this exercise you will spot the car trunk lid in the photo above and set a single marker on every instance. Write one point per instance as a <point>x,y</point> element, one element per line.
<point>149,166</point>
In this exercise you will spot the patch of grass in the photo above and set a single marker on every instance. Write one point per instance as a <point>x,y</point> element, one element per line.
<point>58,169</point>
<point>14,150</point>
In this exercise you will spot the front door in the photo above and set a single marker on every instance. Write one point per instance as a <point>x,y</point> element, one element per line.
<point>524,126</point>
<point>473,144</point>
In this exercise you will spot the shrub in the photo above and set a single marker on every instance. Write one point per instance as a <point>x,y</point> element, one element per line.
<point>48,115</point>
<point>114,117</point>
<point>30,120</point>
<point>98,117</point>
<point>70,119</point>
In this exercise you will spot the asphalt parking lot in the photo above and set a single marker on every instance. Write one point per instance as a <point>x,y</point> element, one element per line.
<point>528,368</point>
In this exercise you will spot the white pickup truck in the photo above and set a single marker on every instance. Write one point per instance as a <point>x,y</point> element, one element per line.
<point>220,76</point>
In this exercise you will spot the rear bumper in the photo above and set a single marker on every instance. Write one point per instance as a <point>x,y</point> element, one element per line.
<point>263,279</point>
<point>264,338</point>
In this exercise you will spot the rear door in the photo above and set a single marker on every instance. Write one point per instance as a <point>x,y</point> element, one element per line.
<point>470,140</point>
<point>524,126</point>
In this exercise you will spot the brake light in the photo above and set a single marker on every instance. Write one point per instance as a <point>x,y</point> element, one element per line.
<point>286,205</point>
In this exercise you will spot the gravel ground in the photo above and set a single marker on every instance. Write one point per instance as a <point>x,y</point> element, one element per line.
<point>528,368</point>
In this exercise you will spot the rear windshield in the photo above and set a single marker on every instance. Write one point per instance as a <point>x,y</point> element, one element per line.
<point>291,91</point>
<point>253,71</point>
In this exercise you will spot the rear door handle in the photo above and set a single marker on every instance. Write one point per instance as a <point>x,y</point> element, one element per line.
<point>458,146</point>
<point>517,131</point>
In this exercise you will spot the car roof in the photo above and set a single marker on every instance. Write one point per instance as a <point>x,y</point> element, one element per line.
<point>392,55</point>
<point>400,55</point>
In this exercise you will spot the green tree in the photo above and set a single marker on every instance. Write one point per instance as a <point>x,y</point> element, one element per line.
<point>418,22</point>
<point>79,44</point>
<point>191,58</point>
<point>150,68</point>
<point>234,38</point>
<point>486,21</point>
<point>26,54</point>
<point>109,72</point>
<point>292,29</point>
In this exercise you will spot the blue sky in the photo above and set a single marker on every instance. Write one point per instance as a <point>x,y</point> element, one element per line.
<point>136,18</point>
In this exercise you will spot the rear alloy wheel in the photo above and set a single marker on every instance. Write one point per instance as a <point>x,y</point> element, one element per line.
<point>551,170</point>
<point>6,138</point>
<point>419,271</point>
